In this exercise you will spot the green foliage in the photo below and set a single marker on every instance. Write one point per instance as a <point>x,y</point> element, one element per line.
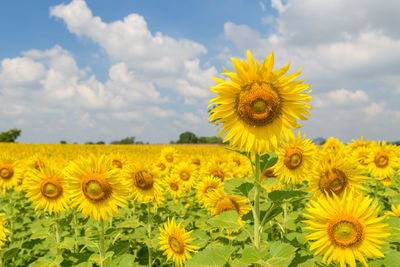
<point>187,138</point>
<point>10,136</point>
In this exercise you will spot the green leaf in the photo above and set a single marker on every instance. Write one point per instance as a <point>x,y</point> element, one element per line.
<point>68,243</point>
<point>40,235</point>
<point>211,257</point>
<point>10,253</point>
<point>120,248</point>
<point>250,255</point>
<point>280,254</point>
<point>281,196</point>
<point>126,260</point>
<point>272,214</point>
<point>237,186</point>
<point>227,220</point>
<point>45,261</point>
<point>130,223</point>
<point>200,238</point>
<point>394,224</point>
<point>268,160</point>
<point>392,258</point>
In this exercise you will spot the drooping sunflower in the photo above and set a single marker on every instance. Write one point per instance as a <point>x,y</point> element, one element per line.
<point>10,172</point>
<point>258,105</point>
<point>96,188</point>
<point>218,201</point>
<point>175,242</point>
<point>395,211</point>
<point>3,230</point>
<point>206,185</point>
<point>335,173</point>
<point>295,159</point>
<point>385,157</point>
<point>144,185</point>
<point>186,172</point>
<point>47,188</point>
<point>345,229</point>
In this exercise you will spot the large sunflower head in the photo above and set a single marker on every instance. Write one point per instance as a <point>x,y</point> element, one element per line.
<point>175,242</point>
<point>218,202</point>
<point>258,105</point>
<point>295,159</point>
<point>96,188</point>
<point>47,188</point>
<point>10,172</point>
<point>335,173</point>
<point>345,229</point>
<point>145,186</point>
<point>385,157</point>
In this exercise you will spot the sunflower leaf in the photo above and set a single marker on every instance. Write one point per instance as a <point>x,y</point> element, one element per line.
<point>237,186</point>
<point>268,160</point>
<point>227,220</point>
<point>286,196</point>
<point>211,257</point>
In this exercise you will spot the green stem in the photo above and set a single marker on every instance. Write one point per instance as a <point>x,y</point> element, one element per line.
<point>76,228</point>
<point>257,174</point>
<point>11,218</point>
<point>101,243</point>
<point>284,217</point>
<point>149,222</point>
<point>58,238</point>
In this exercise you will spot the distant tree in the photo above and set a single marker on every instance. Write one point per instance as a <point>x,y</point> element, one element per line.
<point>63,142</point>
<point>89,143</point>
<point>125,141</point>
<point>319,141</point>
<point>100,143</point>
<point>187,138</point>
<point>172,142</point>
<point>10,136</point>
<point>210,140</point>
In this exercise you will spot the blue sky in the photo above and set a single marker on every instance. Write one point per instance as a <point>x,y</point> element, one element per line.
<point>103,70</point>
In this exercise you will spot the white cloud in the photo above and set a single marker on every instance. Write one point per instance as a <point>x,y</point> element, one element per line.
<point>278,5</point>
<point>374,110</point>
<point>341,97</point>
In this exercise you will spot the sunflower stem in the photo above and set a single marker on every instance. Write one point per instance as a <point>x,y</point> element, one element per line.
<point>11,218</point>
<point>149,222</point>
<point>76,229</point>
<point>101,243</point>
<point>257,227</point>
<point>57,226</point>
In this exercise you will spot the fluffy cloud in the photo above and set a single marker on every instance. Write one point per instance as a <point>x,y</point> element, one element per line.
<point>341,97</point>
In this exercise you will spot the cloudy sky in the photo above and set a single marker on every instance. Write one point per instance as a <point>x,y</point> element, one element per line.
<point>104,70</point>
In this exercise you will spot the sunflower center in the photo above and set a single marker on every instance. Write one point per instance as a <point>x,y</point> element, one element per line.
<point>161,166</point>
<point>174,186</point>
<point>210,188</point>
<point>38,164</point>
<point>117,163</point>
<point>176,244</point>
<point>269,173</point>
<point>144,180</point>
<point>96,188</point>
<point>219,174</point>
<point>334,181</point>
<point>258,104</point>
<point>196,161</point>
<point>226,204</point>
<point>169,157</point>
<point>381,159</point>
<point>184,175</point>
<point>236,160</point>
<point>293,158</point>
<point>345,231</point>
<point>6,173</point>
<point>51,188</point>
<point>363,159</point>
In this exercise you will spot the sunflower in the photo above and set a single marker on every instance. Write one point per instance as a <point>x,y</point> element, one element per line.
<point>175,242</point>
<point>385,157</point>
<point>10,172</point>
<point>332,145</point>
<point>206,185</point>
<point>395,211</point>
<point>258,105</point>
<point>363,156</point>
<point>218,202</point>
<point>3,230</point>
<point>295,159</point>
<point>196,161</point>
<point>334,173</point>
<point>359,143</point>
<point>186,172</point>
<point>46,188</point>
<point>118,160</point>
<point>345,229</point>
<point>269,173</point>
<point>35,162</point>
<point>386,181</point>
<point>217,168</point>
<point>240,166</point>
<point>174,186</point>
<point>162,168</point>
<point>144,185</point>
<point>96,188</point>
<point>169,154</point>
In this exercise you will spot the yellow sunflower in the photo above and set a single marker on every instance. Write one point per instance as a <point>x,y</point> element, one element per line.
<point>10,172</point>
<point>386,181</point>
<point>174,186</point>
<point>345,229</point>
<point>46,187</point>
<point>206,185</point>
<point>217,168</point>
<point>144,185</point>
<point>118,160</point>
<point>3,230</point>
<point>359,143</point>
<point>363,156</point>
<point>269,173</point>
<point>162,168</point>
<point>175,242</point>
<point>385,157</point>
<point>186,172</point>
<point>332,145</point>
<point>295,159</point>
<point>169,154</point>
<point>395,211</point>
<point>96,188</point>
<point>36,161</point>
<point>335,173</point>
<point>258,105</point>
<point>218,202</point>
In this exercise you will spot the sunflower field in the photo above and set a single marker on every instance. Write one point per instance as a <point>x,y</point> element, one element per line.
<point>271,198</point>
